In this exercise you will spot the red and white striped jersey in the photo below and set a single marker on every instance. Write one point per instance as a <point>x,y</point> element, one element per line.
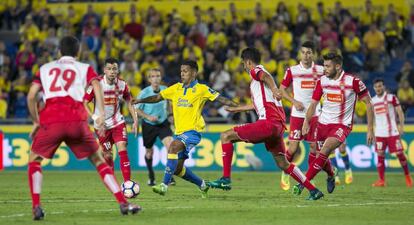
<point>113,95</point>
<point>385,115</point>
<point>339,98</point>
<point>63,84</point>
<point>266,106</point>
<point>303,83</point>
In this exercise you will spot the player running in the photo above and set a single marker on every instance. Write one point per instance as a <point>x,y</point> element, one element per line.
<point>387,132</point>
<point>269,128</point>
<point>64,119</point>
<point>155,121</point>
<point>302,78</point>
<point>115,90</point>
<point>340,91</point>
<point>188,99</point>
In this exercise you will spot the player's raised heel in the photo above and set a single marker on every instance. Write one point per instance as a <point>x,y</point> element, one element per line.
<point>348,176</point>
<point>160,189</point>
<point>315,194</point>
<point>285,182</point>
<point>409,181</point>
<point>38,213</point>
<point>330,181</point>
<point>222,183</point>
<point>129,208</point>
<point>297,189</point>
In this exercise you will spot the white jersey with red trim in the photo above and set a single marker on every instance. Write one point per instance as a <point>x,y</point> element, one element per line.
<point>63,85</point>
<point>339,98</point>
<point>385,115</point>
<point>303,82</point>
<point>113,95</point>
<point>266,106</point>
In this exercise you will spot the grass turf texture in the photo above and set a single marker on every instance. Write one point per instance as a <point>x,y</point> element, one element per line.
<point>80,198</point>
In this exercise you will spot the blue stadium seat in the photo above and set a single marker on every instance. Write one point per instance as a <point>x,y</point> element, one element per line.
<point>410,112</point>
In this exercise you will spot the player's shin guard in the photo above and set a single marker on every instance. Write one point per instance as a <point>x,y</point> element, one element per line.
<point>110,182</point>
<point>227,158</point>
<point>403,162</point>
<point>296,174</point>
<point>381,167</point>
<point>125,165</point>
<point>188,175</point>
<point>316,166</point>
<point>345,159</point>
<point>172,162</point>
<point>311,158</point>
<point>34,173</point>
<point>328,168</point>
<point>333,160</point>
<point>148,162</point>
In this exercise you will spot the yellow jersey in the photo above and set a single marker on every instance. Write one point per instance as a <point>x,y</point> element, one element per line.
<point>187,104</point>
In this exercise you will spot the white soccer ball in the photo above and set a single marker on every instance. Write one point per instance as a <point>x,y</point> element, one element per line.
<point>130,189</point>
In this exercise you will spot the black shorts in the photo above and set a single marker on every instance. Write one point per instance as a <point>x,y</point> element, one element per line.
<point>151,132</point>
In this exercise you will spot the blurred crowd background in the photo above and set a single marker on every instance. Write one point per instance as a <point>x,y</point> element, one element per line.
<point>374,37</point>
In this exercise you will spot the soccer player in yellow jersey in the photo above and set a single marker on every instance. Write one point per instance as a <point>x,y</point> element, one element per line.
<point>188,99</point>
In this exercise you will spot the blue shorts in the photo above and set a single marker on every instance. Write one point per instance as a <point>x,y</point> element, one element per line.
<point>190,139</point>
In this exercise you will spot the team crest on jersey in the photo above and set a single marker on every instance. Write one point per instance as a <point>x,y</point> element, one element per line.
<point>89,90</point>
<point>334,97</point>
<point>194,90</point>
<point>361,86</point>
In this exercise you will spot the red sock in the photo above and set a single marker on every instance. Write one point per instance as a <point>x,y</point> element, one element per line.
<point>125,165</point>
<point>34,173</point>
<point>311,157</point>
<point>296,174</point>
<point>289,156</point>
<point>403,162</point>
<point>227,158</point>
<point>110,182</point>
<point>381,167</point>
<point>316,166</point>
<point>328,168</point>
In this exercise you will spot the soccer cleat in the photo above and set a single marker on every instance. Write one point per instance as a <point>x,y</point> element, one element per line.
<point>151,183</point>
<point>172,182</point>
<point>38,213</point>
<point>297,189</point>
<point>285,182</point>
<point>204,189</point>
<point>408,181</point>
<point>330,181</point>
<point>222,183</point>
<point>129,208</point>
<point>315,194</point>
<point>348,176</point>
<point>160,189</point>
<point>337,180</point>
<point>379,183</point>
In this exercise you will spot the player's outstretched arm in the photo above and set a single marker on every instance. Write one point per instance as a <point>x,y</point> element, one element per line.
<point>370,118</point>
<point>141,114</point>
<point>32,105</point>
<point>286,95</point>
<point>150,99</point>
<point>268,80</point>
<point>240,108</point>
<point>99,103</point>
<point>226,101</point>
<point>401,118</point>
<point>309,114</point>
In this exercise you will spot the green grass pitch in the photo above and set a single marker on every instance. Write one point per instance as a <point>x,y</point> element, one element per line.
<point>70,197</point>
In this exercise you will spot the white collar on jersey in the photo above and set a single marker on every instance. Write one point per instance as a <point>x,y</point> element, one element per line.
<point>67,58</point>
<point>302,67</point>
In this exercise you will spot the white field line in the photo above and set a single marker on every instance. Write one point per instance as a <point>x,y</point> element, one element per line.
<point>190,207</point>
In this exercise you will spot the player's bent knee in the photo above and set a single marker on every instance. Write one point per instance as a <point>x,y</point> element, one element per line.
<point>33,157</point>
<point>228,136</point>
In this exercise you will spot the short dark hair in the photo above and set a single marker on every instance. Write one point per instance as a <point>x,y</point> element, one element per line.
<point>191,63</point>
<point>377,80</point>
<point>334,57</point>
<point>111,61</point>
<point>69,46</point>
<point>251,54</point>
<point>309,44</point>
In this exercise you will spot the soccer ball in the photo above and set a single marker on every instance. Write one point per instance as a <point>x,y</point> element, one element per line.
<point>130,189</point>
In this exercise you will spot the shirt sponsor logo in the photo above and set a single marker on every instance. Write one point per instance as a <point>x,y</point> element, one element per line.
<point>307,84</point>
<point>109,101</point>
<point>184,103</point>
<point>334,97</point>
<point>380,110</point>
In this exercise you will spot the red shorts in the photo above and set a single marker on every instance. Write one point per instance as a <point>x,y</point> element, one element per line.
<point>295,131</point>
<point>325,131</point>
<point>269,132</point>
<point>113,135</point>
<point>394,144</point>
<point>76,135</point>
